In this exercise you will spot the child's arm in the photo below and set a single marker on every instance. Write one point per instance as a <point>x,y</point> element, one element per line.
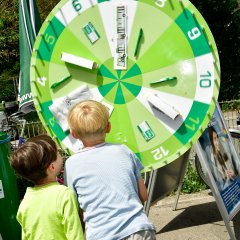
<point>19,219</point>
<point>142,190</point>
<point>137,165</point>
<point>70,216</point>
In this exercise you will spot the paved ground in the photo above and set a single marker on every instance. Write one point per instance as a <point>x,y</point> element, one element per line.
<point>196,218</point>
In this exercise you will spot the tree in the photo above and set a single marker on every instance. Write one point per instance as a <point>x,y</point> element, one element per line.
<point>9,56</point>
<point>8,90</point>
<point>45,6</point>
<point>9,33</point>
<point>223,18</point>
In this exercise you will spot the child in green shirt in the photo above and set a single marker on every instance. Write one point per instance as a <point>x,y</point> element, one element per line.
<point>48,210</point>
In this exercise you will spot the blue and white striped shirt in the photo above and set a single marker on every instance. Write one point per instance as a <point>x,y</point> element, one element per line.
<point>104,179</point>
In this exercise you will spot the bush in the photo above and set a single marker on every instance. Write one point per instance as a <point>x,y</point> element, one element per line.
<point>8,90</point>
<point>192,182</point>
<point>230,105</point>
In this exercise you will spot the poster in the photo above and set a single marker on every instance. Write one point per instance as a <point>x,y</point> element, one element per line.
<point>223,162</point>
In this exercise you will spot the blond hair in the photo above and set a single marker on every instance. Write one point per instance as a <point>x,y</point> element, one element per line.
<point>88,119</point>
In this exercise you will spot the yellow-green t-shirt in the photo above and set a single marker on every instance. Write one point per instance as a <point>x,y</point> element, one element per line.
<point>49,212</point>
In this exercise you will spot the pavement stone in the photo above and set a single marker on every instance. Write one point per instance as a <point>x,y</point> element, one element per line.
<point>196,218</point>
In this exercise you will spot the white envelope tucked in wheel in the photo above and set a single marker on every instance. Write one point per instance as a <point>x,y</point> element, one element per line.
<point>161,105</point>
<point>60,107</point>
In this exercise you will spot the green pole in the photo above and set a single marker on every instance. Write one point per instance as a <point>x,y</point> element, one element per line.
<point>9,197</point>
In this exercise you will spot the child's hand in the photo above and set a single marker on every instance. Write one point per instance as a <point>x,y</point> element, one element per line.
<point>229,174</point>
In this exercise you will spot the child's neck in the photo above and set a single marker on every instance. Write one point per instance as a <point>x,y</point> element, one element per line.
<point>88,144</point>
<point>45,181</point>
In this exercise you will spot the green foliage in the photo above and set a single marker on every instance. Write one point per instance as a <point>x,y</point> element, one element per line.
<point>45,6</point>
<point>192,182</point>
<point>223,18</point>
<point>230,105</point>
<point>9,55</point>
<point>8,91</point>
<point>9,34</point>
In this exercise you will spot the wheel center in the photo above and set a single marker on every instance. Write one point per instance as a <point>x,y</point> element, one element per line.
<point>119,86</point>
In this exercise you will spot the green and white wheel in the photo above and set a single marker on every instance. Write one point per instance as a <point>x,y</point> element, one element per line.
<point>154,63</point>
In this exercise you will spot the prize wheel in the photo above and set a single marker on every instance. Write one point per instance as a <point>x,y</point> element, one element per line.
<point>154,64</point>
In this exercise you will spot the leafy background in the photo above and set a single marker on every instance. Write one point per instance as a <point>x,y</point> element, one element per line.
<point>222,16</point>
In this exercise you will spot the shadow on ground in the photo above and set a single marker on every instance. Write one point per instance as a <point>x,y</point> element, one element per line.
<point>194,216</point>
<point>199,215</point>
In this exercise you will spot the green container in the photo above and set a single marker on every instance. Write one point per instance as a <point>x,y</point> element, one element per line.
<point>9,197</point>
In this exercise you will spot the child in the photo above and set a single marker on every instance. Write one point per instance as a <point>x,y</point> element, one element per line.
<point>106,178</point>
<point>48,210</point>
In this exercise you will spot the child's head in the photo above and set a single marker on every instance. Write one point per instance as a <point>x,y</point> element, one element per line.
<point>214,138</point>
<point>89,120</point>
<point>34,157</point>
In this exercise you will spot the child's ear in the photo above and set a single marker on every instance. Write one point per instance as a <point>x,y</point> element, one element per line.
<point>51,167</point>
<point>108,127</point>
<point>73,134</point>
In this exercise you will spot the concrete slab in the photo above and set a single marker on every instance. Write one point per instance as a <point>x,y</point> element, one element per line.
<point>196,218</point>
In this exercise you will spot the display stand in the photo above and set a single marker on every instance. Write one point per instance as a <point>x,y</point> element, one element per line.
<point>216,195</point>
<point>221,165</point>
<point>166,179</point>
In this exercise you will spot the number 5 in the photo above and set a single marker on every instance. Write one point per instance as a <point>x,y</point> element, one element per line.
<point>49,39</point>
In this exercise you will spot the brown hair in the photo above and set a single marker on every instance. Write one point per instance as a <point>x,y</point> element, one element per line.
<point>33,158</point>
<point>218,155</point>
<point>88,119</point>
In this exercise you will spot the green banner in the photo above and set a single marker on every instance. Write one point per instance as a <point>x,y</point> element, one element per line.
<point>29,25</point>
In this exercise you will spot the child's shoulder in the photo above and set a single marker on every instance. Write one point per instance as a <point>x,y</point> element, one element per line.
<point>116,146</point>
<point>107,147</point>
<point>63,190</point>
<point>123,147</point>
<point>60,188</point>
<point>104,146</point>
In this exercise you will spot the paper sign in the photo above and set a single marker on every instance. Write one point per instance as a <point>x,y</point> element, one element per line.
<point>1,190</point>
